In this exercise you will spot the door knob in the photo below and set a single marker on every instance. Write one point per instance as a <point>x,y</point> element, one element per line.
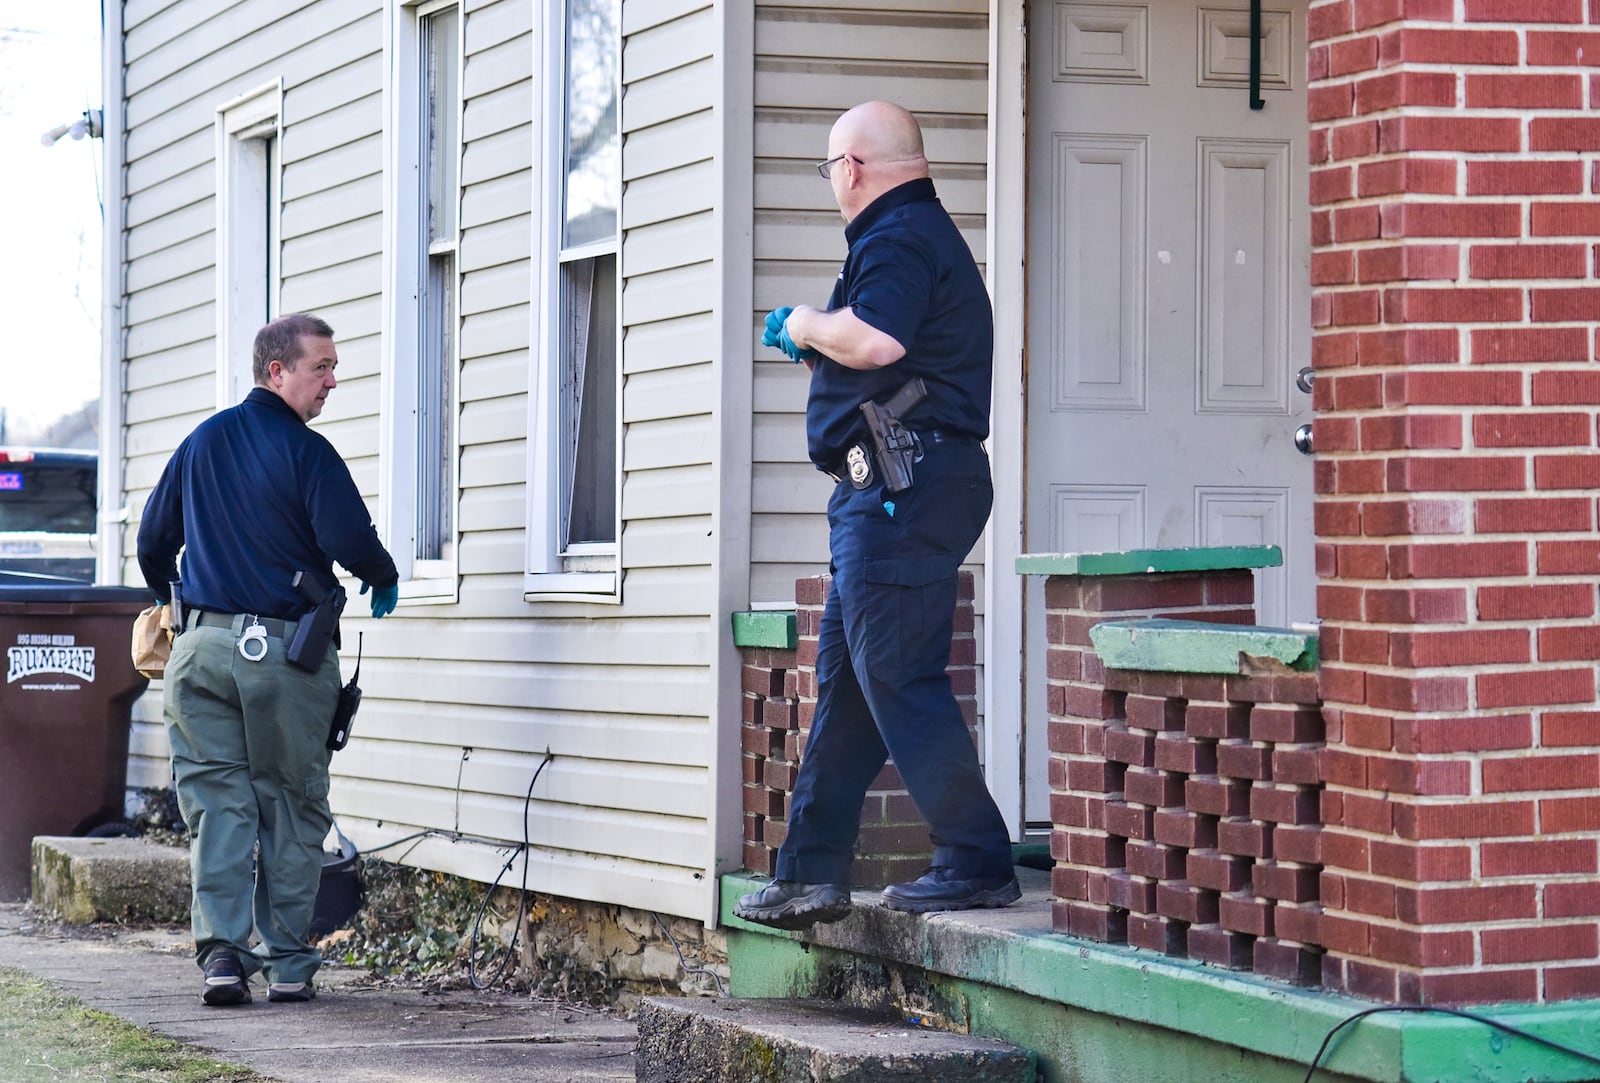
<point>1302,440</point>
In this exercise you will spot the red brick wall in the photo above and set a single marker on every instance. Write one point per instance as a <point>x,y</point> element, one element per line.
<point>1184,806</point>
<point>1455,166</point>
<point>780,700</point>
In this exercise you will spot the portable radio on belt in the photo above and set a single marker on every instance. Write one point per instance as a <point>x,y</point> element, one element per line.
<point>349,700</point>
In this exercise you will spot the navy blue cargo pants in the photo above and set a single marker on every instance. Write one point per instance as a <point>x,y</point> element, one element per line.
<point>882,690</point>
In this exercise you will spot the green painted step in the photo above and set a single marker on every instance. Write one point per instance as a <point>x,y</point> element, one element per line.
<point>1122,1000</point>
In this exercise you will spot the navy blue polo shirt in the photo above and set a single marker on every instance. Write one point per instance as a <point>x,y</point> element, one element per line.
<point>909,274</point>
<point>252,496</point>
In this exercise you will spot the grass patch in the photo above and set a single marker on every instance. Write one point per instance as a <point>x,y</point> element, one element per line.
<point>47,1037</point>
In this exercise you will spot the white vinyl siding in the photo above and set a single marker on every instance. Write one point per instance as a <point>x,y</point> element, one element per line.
<point>463,697</point>
<point>466,697</point>
<point>813,61</point>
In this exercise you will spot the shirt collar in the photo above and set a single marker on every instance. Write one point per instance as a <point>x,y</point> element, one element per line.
<point>911,191</point>
<point>265,397</point>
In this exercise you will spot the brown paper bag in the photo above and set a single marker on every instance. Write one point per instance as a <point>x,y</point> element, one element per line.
<point>152,640</point>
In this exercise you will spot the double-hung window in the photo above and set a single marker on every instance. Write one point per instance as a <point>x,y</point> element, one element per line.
<point>424,312</point>
<point>248,246</point>
<point>574,458</point>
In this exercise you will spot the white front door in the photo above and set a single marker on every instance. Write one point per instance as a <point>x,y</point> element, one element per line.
<point>1168,297</point>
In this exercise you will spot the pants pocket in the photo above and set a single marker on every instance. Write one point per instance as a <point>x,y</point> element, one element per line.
<point>908,615</point>
<point>312,817</point>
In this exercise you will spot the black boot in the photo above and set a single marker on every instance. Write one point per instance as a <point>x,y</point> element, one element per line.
<point>946,889</point>
<point>789,904</point>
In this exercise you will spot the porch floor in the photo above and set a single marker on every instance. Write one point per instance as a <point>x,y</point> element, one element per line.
<point>962,968</point>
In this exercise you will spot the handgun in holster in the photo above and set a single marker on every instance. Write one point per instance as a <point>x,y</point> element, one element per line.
<point>316,629</point>
<point>894,445</point>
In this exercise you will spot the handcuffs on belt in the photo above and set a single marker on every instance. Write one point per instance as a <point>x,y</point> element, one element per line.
<point>254,638</point>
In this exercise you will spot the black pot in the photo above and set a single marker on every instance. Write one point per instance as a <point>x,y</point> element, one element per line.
<point>339,895</point>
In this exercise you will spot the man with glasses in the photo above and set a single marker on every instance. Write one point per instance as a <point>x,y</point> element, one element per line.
<point>909,303</point>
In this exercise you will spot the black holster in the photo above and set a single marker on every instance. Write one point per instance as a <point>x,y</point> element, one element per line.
<point>316,629</point>
<point>894,446</point>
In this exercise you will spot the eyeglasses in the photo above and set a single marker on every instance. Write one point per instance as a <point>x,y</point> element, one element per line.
<point>825,169</point>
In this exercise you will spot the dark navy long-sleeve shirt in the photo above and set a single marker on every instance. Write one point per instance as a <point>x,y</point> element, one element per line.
<point>252,496</point>
<point>910,274</point>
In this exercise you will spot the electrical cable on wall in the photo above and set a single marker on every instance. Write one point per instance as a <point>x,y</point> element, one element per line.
<point>461,765</point>
<point>416,837</point>
<point>508,953</point>
<point>1420,1008</point>
<point>722,990</point>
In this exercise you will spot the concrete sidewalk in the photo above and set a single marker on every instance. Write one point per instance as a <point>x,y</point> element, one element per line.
<point>351,1033</point>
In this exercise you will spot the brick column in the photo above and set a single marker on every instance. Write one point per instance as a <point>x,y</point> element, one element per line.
<point>1454,309</point>
<point>1101,735</point>
<point>769,723</point>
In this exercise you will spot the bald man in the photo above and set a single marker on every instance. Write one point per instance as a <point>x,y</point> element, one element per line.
<point>909,302</point>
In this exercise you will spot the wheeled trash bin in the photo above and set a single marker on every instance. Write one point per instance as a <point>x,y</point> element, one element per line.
<point>65,710</point>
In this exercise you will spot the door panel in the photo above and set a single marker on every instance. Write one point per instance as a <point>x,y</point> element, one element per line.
<point>1097,206</point>
<point>1168,296</point>
<point>1243,339</point>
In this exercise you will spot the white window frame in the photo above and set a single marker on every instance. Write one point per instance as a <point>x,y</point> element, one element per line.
<point>405,267</point>
<point>587,571</point>
<point>249,230</point>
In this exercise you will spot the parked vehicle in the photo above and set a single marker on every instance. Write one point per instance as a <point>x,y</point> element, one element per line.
<point>47,513</point>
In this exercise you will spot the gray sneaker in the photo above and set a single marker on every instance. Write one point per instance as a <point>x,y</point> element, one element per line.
<point>225,980</point>
<point>789,904</point>
<point>291,991</point>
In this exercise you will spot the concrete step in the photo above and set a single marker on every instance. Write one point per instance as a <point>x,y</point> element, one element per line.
<point>86,879</point>
<point>699,1040</point>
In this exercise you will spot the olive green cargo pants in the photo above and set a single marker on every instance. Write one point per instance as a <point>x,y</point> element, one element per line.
<point>251,767</point>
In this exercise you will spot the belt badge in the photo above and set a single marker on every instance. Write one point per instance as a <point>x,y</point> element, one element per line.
<point>860,470</point>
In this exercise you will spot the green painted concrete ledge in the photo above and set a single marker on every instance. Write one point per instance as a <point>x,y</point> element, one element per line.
<point>1097,1013</point>
<point>1192,646</point>
<point>1151,561</point>
<point>764,628</point>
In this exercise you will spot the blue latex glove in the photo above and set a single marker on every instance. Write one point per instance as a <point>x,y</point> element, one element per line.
<point>383,598</point>
<point>777,335</point>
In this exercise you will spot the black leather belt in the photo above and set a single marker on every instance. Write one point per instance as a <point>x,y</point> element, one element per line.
<point>204,618</point>
<point>946,436</point>
<point>840,470</point>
